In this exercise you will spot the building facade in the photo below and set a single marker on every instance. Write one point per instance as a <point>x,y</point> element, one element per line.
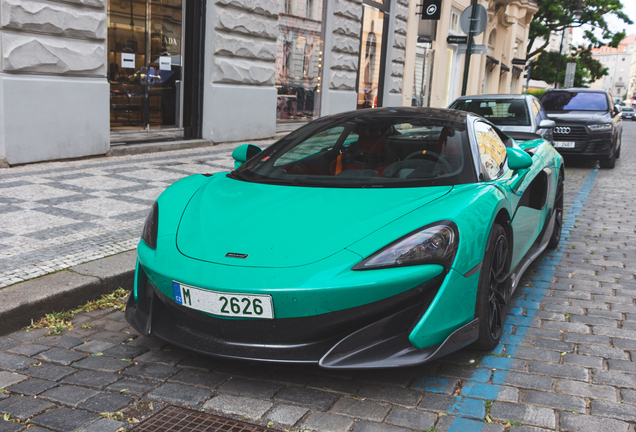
<point>79,76</point>
<point>439,64</point>
<point>619,62</point>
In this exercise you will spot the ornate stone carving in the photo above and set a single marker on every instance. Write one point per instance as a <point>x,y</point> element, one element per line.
<point>93,3</point>
<point>395,85</point>
<point>346,44</point>
<point>402,12</point>
<point>399,55</point>
<point>240,71</point>
<point>236,21</point>
<point>348,9</point>
<point>41,54</point>
<point>233,45</point>
<point>399,41</point>
<point>264,7</point>
<point>56,19</point>
<point>397,69</point>
<point>344,62</point>
<point>341,80</point>
<point>346,26</point>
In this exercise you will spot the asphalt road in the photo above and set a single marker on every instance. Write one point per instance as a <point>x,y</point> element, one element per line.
<point>566,361</point>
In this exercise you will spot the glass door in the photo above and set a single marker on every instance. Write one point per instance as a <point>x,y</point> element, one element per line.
<point>145,68</point>
<point>372,53</point>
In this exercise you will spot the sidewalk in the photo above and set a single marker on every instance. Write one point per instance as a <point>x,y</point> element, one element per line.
<point>56,215</point>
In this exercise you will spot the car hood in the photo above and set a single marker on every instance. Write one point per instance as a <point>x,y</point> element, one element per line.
<point>287,226</point>
<point>582,117</point>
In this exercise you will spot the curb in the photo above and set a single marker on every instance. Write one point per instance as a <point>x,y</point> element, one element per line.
<point>64,290</point>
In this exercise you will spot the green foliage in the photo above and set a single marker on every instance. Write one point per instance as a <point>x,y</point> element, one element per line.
<point>555,16</point>
<point>536,93</point>
<point>588,69</point>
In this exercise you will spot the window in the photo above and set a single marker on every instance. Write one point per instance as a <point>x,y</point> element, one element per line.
<point>308,12</point>
<point>492,38</point>
<point>492,151</point>
<point>454,22</point>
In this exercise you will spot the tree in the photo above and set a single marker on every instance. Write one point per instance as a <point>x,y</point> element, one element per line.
<point>556,16</point>
<point>587,68</point>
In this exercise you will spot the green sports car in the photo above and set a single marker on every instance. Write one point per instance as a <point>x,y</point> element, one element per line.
<point>374,238</point>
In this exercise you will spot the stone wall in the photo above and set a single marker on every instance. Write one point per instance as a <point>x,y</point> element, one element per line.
<point>397,52</point>
<point>345,47</point>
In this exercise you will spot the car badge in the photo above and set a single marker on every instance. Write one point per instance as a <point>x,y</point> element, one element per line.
<point>235,255</point>
<point>562,130</point>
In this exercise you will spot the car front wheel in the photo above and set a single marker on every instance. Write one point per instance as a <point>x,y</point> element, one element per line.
<point>555,238</point>
<point>494,289</point>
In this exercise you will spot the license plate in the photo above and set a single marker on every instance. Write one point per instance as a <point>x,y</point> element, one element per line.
<point>224,304</point>
<point>564,144</point>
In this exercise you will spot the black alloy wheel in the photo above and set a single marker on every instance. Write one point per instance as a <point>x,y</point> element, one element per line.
<point>555,238</point>
<point>493,293</point>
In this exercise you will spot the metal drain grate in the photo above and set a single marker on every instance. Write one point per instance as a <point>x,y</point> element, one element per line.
<point>174,419</point>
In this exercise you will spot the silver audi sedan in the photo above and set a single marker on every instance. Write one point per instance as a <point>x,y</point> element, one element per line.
<point>522,117</point>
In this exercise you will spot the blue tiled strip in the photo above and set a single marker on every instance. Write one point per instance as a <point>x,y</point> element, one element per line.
<point>478,386</point>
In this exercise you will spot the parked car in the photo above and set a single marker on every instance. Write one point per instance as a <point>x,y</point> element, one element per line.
<point>373,238</point>
<point>588,125</point>
<point>521,117</point>
<point>628,113</point>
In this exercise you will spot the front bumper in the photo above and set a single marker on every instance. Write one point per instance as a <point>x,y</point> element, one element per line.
<point>369,336</point>
<point>593,145</point>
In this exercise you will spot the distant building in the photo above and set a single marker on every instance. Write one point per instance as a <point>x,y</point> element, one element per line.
<point>620,64</point>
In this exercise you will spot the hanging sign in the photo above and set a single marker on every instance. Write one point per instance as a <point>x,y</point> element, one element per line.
<point>128,60</point>
<point>457,39</point>
<point>519,62</point>
<point>431,9</point>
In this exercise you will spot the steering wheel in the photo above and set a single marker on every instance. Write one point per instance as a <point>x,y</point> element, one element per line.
<point>432,156</point>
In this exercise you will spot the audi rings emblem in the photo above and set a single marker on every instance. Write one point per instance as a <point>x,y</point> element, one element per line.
<point>562,130</point>
<point>431,9</point>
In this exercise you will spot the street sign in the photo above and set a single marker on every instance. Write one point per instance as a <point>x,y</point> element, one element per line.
<point>480,18</point>
<point>431,9</point>
<point>519,62</point>
<point>477,49</point>
<point>570,70</point>
<point>457,40</point>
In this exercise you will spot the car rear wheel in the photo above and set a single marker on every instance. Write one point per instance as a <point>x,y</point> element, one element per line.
<point>493,292</point>
<point>610,162</point>
<point>555,238</point>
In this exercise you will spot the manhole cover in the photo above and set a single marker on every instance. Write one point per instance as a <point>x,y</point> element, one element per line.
<point>174,419</point>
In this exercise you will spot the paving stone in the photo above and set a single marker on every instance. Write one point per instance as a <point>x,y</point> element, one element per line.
<point>508,394</point>
<point>124,351</point>
<point>92,379</point>
<point>629,396</point>
<point>94,347</point>
<point>321,422</point>
<point>64,419</point>
<point>527,429</point>
<point>435,384</point>
<point>586,390</point>
<point>531,415</point>
<point>555,345</point>
<point>180,395</point>
<point>199,362</point>
<point>250,388</point>
<point>28,349</point>
<point>615,332</point>
<point>132,386</point>
<point>15,363</point>
<point>106,402</point>
<point>22,407</point>
<point>559,370</point>
<point>585,423</point>
<point>68,395</point>
<point>376,427</point>
<point>170,358</point>
<point>150,342</point>
<point>392,395</point>
<point>555,400</point>
<point>245,369</point>
<point>362,409</point>
<point>102,364</point>
<point>313,398</point>
<point>32,386</point>
<point>151,371</point>
<point>584,319</point>
<point>198,378</point>
<point>104,425</point>
<point>583,360</point>
<point>114,337</point>
<point>60,356</point>
<point>601,351</point>
<point>61,341</point>
<point>287,415</point>
<point>50,372</point>
<point>622,366</point>
<point>453,405</point>
<point>8,378</point>
<point>29,335</point>
<point>586,338</point>
<point>335,384</point>
<point>242,406</point>
<point>529,381</point>
<point>538,354</point>
<point>411,419</point>
<point>612,378</point>
<point>9,426</point>
<point>394,377</point>
<point>613,410</point>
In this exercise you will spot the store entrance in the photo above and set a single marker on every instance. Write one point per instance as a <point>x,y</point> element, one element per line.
<point>145,69</point>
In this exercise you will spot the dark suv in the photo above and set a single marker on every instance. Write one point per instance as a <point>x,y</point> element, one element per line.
<point>587,124</point>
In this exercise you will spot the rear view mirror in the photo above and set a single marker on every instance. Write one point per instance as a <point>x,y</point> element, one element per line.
<point>243,153</point>
<point>547,124</point>
<point>518,159</point>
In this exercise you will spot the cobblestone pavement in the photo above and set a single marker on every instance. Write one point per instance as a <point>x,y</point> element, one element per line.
<point>566,361</point>
<point>58,214</point>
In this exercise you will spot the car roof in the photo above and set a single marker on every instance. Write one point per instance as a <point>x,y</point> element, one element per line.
<point>577,90</point>
<point>402,112</point>
<point>496,96</point>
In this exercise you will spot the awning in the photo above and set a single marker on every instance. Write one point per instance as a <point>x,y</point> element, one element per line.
<point>516,71</point>
<point>504,68</point>
<point>491,62</point>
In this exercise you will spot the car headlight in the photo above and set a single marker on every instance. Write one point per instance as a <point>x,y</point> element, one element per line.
<point>433,244</point>
<point>149,231</point>
<point>601,127</point>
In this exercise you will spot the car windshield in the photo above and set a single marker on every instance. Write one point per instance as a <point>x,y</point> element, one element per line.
<point>502,112</point>
<point>628,109</point>
<point>367,150</point>
<point>556,101</point>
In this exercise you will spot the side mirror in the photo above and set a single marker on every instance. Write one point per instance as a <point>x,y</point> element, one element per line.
<point>547,124</point>
<point>518,159</point>
<point>618,108</point>
<point>243,153</point>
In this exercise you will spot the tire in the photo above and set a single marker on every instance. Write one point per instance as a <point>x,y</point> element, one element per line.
<point>610,162</point>
<point>493,291</point>
<point>618,152</point>
<point>555,238</point>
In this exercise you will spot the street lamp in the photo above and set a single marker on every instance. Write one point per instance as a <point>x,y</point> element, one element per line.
<point>578,14</point>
